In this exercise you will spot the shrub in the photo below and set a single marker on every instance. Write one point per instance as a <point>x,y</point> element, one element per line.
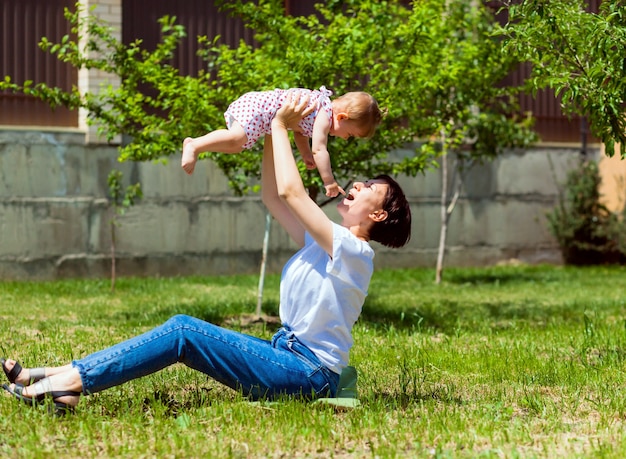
<point>587,232</point>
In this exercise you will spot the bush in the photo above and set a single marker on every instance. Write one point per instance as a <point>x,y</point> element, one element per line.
<point>587,232</point>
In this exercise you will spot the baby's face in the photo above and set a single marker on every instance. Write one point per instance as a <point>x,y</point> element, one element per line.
<point>344,128</point>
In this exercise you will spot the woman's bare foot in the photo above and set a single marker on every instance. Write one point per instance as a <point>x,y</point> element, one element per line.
<point>189,158</point>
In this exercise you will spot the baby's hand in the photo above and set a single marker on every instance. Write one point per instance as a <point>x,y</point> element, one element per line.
<point>309,162</point>
<point>333,189</point>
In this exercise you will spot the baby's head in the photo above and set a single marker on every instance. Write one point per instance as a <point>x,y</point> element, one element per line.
<point>361,109</point>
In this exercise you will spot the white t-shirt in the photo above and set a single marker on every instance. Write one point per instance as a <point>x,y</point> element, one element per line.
<point>321,297</point>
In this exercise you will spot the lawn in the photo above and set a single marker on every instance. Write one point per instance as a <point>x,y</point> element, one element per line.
<point>514,361</point>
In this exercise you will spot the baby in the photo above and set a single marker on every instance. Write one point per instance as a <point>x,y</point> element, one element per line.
<point>354,114</point>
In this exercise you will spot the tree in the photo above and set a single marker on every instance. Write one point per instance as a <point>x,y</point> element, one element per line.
<point>454,74</point>
<point>587,231</point>
<point>578,54</point>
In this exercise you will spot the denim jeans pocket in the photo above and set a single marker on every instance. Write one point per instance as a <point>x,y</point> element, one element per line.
<point>320,377</point>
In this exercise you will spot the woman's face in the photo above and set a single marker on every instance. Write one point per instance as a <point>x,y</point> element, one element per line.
<point>363,202</point>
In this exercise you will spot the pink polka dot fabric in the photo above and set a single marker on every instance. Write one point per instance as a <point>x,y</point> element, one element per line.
<point>254,111</point>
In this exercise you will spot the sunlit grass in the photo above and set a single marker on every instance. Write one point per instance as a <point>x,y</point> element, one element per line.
<point>495,362</point>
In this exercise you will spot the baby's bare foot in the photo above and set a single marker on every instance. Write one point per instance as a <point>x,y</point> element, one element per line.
<point>189,158</point>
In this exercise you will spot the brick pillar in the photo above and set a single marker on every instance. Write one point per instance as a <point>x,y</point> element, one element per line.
<point>90,79</point>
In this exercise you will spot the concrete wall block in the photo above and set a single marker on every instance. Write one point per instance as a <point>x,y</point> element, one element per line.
<point>279,239</point>
<point>426,186</point>
<point>86,171</point>
<point>466,256</point>
<point>407,258</point>
<point>190,227</point>
<point>26,269</point>
<point>536,172</point>
<point>12,161</point>
<point>151,227</point>
<point>159,180</point>
<point>31,171</point>
<point>230,225</point>
<point>425,225</point>
<point>42,228</point>
<point>247,223</point>
<point>500,224</point>
<point>480,181</point>
<point>38,137</point>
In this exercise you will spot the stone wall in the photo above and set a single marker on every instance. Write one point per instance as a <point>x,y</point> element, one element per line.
<point>55,221</point>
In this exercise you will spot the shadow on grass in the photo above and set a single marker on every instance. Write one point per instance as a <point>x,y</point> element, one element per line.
<point>403,401</point>
<point>450,316</point>
<point>232,313</point>
<point>169,406</point>
<point>441,316</point>
<point>495,278</point>
<point>172,405</point>
<point>497,275</point>
<point>442,309</point>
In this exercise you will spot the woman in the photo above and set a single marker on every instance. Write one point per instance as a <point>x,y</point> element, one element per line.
<point>322,290</point>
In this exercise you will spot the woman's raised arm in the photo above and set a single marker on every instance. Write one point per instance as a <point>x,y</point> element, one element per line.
<point>282,188</point>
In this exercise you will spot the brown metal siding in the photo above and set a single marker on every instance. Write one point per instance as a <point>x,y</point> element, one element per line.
<point>24,22</point>
<point>199,17</point>
<point>550,123</point>
<point>300,8</point>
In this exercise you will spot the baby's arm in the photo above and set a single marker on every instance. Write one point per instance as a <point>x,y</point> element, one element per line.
<point>302,142</point>
<point>321,129</point>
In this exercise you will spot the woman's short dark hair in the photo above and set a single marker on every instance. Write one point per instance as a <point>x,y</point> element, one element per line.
<point>395,230</point>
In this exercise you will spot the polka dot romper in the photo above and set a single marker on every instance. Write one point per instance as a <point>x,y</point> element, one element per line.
<point>254,111</point>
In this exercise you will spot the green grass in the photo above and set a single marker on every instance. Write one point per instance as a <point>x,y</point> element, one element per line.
<point>495,362</point>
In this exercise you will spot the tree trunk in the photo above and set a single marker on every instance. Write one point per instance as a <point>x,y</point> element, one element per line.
<point>266,238</point>
<point>447,209</point>
<point>443,215</point>
<point>113,256</point>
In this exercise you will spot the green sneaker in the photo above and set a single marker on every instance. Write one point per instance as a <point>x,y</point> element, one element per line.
<point>346,388</point>
<point>347,394</point>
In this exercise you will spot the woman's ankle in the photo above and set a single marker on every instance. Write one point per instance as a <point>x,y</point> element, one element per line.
<point>60,382</point>
<point>51,371</point>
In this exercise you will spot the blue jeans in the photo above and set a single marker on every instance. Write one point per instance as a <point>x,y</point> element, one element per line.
<point>259,368</point>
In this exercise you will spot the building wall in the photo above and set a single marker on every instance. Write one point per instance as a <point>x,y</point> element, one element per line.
<point>613,184</point>
<point>55,221</point>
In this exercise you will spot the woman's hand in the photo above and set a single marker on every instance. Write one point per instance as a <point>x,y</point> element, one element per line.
<point>293,110</point>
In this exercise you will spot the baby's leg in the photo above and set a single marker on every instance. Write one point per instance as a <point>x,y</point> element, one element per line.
<point>219,141</point>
